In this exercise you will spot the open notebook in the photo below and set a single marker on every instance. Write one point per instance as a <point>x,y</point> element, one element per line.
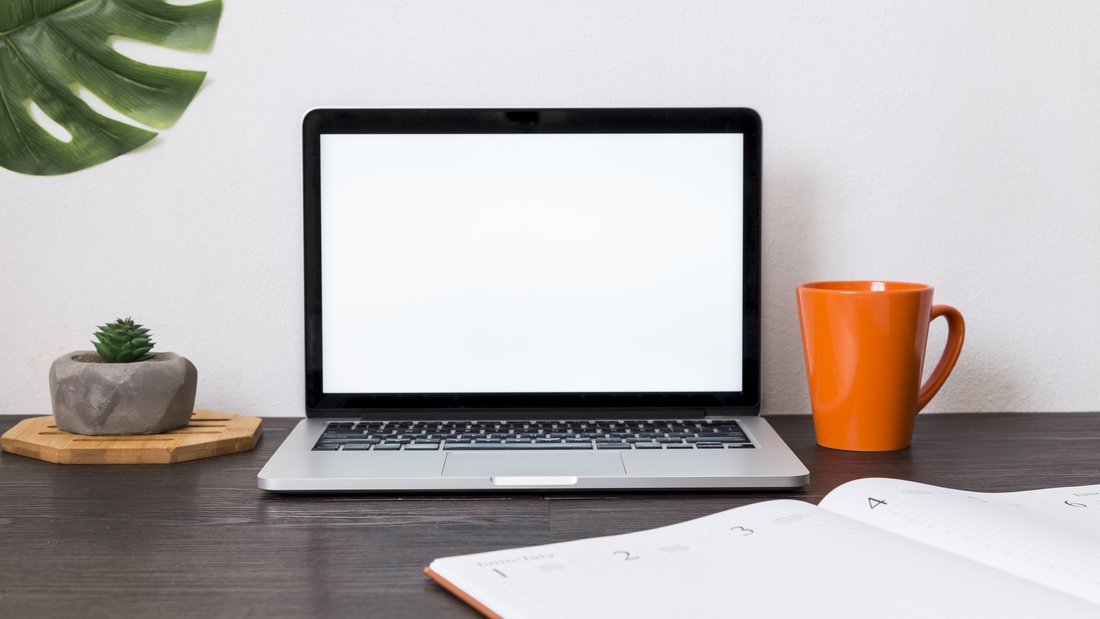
<point>872,548</point>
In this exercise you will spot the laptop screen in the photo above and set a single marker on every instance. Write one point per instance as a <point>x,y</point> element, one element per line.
<point>531,262</point>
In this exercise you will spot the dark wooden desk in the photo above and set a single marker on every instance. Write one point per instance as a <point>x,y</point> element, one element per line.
<point>199,539</point>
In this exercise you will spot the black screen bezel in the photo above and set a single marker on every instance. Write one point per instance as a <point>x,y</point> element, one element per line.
<point>525,120</point>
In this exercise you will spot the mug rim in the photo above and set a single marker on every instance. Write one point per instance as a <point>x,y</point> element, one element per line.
<point>864,286</point>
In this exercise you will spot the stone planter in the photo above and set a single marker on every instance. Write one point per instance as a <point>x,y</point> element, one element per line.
<point>143,397</point>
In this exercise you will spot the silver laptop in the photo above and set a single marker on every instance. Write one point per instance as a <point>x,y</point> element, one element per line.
<point>532,299</point>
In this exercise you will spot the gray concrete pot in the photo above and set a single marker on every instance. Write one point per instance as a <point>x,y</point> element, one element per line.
<point>143,397</point>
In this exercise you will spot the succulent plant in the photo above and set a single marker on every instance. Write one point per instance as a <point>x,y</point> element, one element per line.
<point>122,341</point>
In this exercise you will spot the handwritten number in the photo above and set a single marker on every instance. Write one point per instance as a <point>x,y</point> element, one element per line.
<point>873,502</point>
<point>626,555</point>
<point>742,530</point>
<point>1075,504</point>
<point>500,572</point>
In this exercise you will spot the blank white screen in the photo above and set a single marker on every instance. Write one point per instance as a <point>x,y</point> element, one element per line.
<point>531,263</point>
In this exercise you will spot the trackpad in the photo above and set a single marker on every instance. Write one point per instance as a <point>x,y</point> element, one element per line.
<point>534,464</point>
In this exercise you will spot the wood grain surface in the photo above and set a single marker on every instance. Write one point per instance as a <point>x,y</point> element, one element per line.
<point>210,433</point>
<point>198,539</point>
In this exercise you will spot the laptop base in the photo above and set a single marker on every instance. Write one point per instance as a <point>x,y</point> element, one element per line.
<point>296,467</point>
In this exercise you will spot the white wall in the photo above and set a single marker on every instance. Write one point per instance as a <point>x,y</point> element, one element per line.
<point>954,143</point>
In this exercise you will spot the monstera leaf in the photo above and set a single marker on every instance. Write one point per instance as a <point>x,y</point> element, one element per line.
<point>49,49</point>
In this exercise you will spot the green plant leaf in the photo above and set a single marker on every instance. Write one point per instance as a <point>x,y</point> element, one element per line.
<point>104,352</point>
<point>51,48</point>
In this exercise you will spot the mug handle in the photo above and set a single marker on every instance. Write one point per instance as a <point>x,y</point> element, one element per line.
<point>956,330</point>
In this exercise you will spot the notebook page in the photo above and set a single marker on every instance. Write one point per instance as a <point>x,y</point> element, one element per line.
<point>777,558</point>
<point>1047,536</point>
<point>1076,507</point>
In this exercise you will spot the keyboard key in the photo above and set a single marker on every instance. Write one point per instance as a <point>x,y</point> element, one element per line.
<point>739,446</point>
<point>647,445</point>
<point>508,446</point>
<point>708,445</point>
<point>713,439</point>
<point>422,447</point>
<point>612,446</point>
<point>357,447</point>
<point>718,435</point>
<point>326,447</point>
<point>679,446</point>
<point>387,447</point>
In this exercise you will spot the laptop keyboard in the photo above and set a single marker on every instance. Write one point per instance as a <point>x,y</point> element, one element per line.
<point>531,435</point>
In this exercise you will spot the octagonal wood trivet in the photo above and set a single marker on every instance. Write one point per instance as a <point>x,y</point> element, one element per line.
<point>210,433</point>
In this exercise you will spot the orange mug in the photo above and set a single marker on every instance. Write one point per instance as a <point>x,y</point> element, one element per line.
<point>864,344</point>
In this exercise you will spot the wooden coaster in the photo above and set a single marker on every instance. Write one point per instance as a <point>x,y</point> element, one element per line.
<point>210,433</point>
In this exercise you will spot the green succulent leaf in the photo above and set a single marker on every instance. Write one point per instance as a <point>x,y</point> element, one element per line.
<point>123,341</point>
<point>51,48</point>
<point>105,352</point>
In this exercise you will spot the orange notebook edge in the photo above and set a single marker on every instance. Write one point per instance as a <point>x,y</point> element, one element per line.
<point>446,584</point>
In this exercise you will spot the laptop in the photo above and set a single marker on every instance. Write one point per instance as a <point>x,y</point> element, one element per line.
<point>531,299</point>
